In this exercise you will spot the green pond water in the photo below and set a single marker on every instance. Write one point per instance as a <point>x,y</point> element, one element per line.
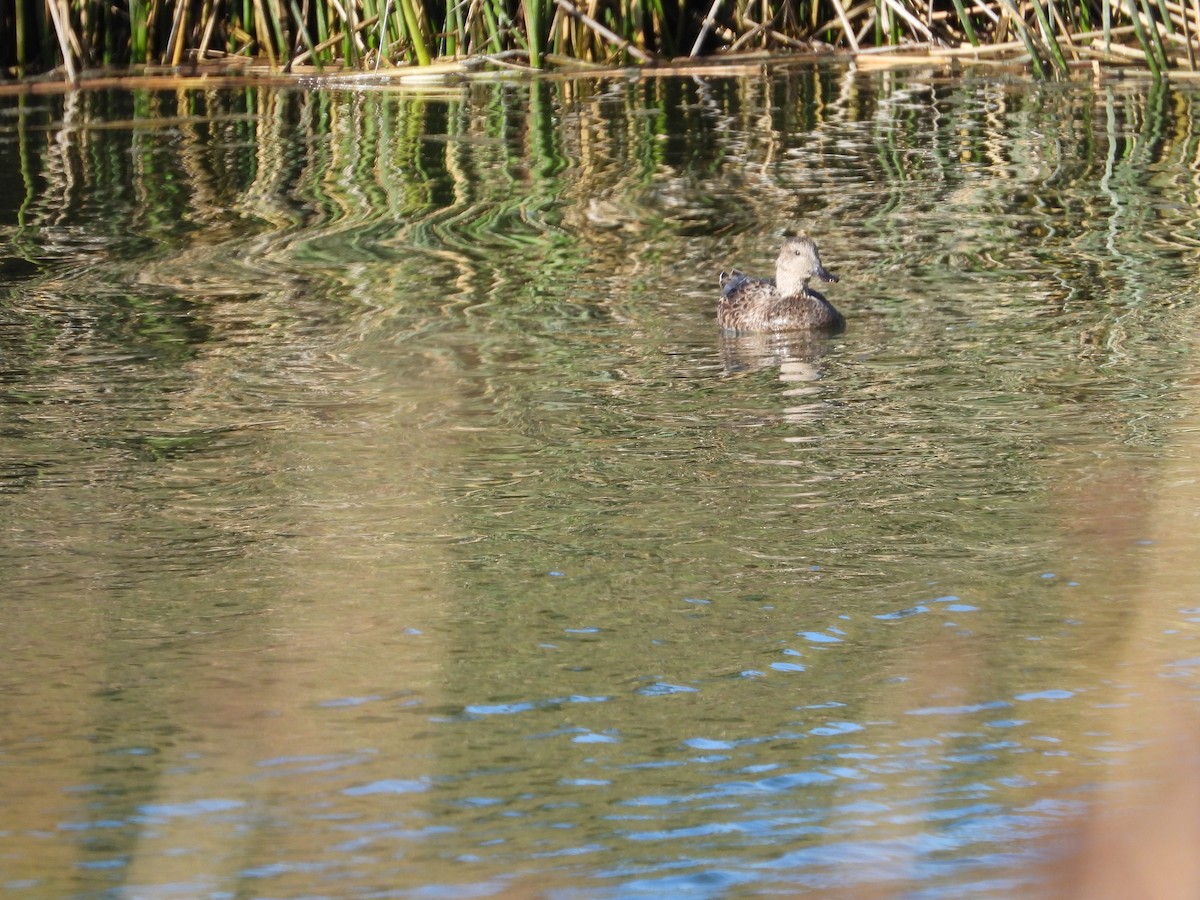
<point>383,515</point>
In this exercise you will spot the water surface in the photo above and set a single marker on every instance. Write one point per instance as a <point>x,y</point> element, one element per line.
<point>384,516</point>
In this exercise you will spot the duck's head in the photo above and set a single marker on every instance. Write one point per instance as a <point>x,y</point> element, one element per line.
<point>798,262</point>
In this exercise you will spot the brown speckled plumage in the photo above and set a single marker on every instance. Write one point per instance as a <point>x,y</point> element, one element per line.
<point>782,303</point>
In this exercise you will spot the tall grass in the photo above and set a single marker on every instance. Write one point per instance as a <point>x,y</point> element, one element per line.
<point>39,36</point>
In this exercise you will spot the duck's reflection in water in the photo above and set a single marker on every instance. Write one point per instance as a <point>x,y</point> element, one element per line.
<point>797,357</point>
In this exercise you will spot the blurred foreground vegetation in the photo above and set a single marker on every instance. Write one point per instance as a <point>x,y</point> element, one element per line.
<point>74,37</point>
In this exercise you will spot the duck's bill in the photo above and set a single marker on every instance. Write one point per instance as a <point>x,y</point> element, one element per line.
<point>825,275</point>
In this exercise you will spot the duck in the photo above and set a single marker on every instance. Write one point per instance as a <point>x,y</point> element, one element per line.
<point>784,303</point>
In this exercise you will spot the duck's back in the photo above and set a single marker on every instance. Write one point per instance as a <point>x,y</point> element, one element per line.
<point>742,299</point>
<point>735,284</point>
<point>754,305</point>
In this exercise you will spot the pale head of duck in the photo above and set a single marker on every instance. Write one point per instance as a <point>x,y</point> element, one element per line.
<point>798,262</point>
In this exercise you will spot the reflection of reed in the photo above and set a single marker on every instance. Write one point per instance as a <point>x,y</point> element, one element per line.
<point>543,175</point>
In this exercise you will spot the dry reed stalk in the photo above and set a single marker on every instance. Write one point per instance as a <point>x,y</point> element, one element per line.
<point>987,11</point>
<point>1178,11</point>
<point>621,44</point>
<point>863,8</point>
<point>1166,31</point>
<point>350,29</point>
<point>869,24</point>
<point>260,17</point>
<point>304,36</point>
<point>1064,30</point>
<point>845,23</point>
<point>570,62</point>
<point>72,38</point>
<point>756,29</point>
<point>906,50</point>
<point>1015,16</point>
<point>332,41</point>
<point>1131,11</point>
<point>174,51</point>
<point>1119,50</point>
<point>780,38</point>
<point>278,32</point>
<point>504,62</point>
<point>1196,15</point>
<point>1182,17</point>
<point>1156,29</point>
<point>912,20</point>
<point>1049,40</point>
<point>705,28</point>
<point>1191,56</point>
<point>983,50</point>
<point>209,16</point>
<point>899,60</point>
<point>60,18</point>
<point>700,68</point>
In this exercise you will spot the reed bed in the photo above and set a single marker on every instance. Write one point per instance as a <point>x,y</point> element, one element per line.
<point>72,37</point>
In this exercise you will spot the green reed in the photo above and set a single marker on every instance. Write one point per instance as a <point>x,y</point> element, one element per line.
<point>78,35</point>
